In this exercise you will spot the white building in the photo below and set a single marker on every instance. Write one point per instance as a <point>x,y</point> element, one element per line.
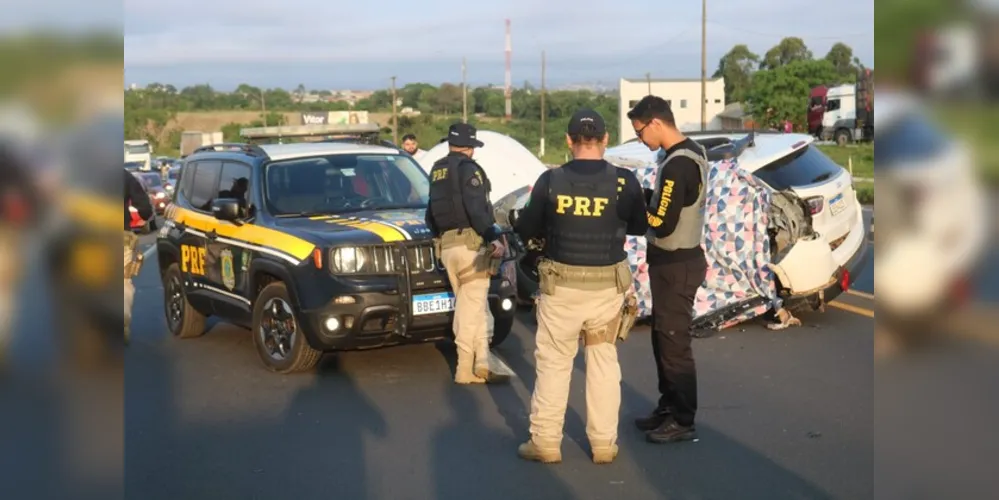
<point>684,97</point>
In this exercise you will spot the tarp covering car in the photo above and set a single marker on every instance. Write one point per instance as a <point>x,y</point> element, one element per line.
<point>739,285</point>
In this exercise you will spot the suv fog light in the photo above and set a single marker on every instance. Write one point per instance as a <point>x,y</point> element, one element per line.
<point>332,324</point>
<point>507,304</point>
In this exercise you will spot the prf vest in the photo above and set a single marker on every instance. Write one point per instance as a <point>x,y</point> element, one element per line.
<point>584,228</point>
<point>690,229</point>
<point>446,203</point>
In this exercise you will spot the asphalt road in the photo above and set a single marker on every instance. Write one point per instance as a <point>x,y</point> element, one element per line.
<point>783,415</point>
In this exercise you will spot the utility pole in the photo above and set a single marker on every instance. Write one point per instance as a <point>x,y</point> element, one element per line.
<point>648,79</point>
<point>395,117</point>
<point>704,65</point>
<point>464,92</point>
<point>263,107</point>
<point>543,112</point>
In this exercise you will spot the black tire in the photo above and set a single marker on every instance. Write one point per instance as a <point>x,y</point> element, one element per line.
<point>527,279</point>
<point>842,137</point>
<point>183,320</point>
<point>501,330</point>
<point>299,355</point>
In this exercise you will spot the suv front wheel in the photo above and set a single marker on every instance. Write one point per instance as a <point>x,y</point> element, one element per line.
<point>183,320</point>
<point>277,333</point>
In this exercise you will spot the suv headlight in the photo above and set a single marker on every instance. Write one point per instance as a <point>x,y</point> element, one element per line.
<point>348,260</point>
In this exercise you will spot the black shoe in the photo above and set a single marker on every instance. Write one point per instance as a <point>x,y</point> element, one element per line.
<point>653,421</point>
<point>671,432</point>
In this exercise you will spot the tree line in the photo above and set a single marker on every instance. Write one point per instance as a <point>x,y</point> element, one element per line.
<point>775,87</point>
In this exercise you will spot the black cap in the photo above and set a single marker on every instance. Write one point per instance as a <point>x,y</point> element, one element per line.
<point>589,120</point>
<point>462,135</point>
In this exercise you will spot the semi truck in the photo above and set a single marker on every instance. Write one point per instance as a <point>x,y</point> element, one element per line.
<point>139,152</point>
<point>843,113</point>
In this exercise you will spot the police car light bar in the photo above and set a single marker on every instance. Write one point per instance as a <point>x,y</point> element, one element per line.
<point>309,130</point>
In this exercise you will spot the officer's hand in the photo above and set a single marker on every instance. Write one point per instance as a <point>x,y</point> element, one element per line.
<point>498,249</point>
<point>648,195</point>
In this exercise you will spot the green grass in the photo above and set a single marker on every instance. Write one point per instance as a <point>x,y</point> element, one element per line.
<point>977,125</point>
<point>862,155</point>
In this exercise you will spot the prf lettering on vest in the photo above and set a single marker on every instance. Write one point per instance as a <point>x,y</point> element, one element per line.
<point>192,259</point>
<point>666,198</point>
<point>581,205</point>
<point>439,175</point>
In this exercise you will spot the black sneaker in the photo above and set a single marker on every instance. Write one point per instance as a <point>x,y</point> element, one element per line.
<point>653,421</point>
<point>671,432</point>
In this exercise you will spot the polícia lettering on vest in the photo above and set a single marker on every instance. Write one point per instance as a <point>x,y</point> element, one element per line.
<point>666,198</point>
<point>581,205</point>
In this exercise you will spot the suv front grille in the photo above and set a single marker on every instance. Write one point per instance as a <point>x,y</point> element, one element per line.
<point>421,261</point>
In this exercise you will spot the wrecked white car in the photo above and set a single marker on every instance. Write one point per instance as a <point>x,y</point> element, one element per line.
<point>783,224</point>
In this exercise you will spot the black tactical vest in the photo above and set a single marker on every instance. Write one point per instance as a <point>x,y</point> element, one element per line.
<point>446,203</point>
<point>584,228</point>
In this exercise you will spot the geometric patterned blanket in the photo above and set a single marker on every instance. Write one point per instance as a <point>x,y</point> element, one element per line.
<point>739,285</point>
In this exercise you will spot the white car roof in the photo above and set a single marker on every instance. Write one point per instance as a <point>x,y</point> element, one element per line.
<point>306,149</point>
<point>769,147</point>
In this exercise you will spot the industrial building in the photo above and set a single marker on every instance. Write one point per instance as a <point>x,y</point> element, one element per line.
<point>684,97</point>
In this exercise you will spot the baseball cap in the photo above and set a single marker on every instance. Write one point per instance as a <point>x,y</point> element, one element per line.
<point>591,120</point>
<point>462,135</point>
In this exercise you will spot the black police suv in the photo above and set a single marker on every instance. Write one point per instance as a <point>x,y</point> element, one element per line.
<point>315,247</point>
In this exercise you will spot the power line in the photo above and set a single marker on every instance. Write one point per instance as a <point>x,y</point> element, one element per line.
<point>790,35</point>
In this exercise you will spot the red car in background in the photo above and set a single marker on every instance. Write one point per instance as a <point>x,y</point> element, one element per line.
<point>136,223</point>
<point>159,198</point>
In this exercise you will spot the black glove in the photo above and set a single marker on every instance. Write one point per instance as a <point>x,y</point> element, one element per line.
<point>513,216</point>
<point>648,196</point>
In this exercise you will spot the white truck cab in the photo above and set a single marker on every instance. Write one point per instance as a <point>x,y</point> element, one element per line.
<point>139,151</point>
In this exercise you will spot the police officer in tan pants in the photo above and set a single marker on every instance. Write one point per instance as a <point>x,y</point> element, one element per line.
<point>582,211</point>
<point>461,218</point>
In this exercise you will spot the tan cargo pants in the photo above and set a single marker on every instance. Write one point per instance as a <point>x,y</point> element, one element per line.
<point>561,317</point>
<point>129,286</point>
<point>469,272</point>
<point>9,279</point>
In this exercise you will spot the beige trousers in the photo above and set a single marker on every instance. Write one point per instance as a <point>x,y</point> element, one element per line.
<point>129,293</point>
<point>10,275</point>
<point>561,318</point>
<point>468,272</point>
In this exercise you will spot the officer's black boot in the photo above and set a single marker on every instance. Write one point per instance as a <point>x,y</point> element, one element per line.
<point>671,432</point>
<point>653,421</point>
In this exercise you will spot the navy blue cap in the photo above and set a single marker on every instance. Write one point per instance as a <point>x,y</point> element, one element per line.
<point>462,135</point>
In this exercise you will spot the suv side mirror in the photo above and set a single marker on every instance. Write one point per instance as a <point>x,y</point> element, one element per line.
<point>227,209</point>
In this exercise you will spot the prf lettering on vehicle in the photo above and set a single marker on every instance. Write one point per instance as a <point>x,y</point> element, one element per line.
<point>581,205</point>
<point>192,259</point>
<point>666,198</point>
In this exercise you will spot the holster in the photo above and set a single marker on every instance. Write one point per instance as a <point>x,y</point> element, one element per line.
<point>617,328</point>
<point>134,266</point>
<point>467,237</point>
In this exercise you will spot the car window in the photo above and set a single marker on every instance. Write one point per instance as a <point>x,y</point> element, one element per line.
<point>187,180</point>
<point>343,183</point>
<point>806,166</point>
<point>832,105</point>
<point>908,140</point>
<point>205,181</point>
<point>152,181</point>
<point>235,182</point>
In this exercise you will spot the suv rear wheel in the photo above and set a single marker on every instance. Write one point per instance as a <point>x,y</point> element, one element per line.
<point>277,334</point>
<point>183,320</point>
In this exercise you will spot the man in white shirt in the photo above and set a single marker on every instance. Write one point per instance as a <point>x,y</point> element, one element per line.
<point>412,146</point>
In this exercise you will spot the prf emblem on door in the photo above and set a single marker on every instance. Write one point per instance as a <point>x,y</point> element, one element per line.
<point>228,273</point>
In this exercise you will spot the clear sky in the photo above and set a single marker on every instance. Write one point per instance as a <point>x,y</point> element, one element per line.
<point>360,44</point>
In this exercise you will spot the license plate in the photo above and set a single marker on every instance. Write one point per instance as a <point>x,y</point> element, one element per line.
<point>837,205</point>
<point>434,303</point>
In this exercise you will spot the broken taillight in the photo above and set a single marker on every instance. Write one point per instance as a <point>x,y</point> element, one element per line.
<point>844,280</point>
<point>815,204</point>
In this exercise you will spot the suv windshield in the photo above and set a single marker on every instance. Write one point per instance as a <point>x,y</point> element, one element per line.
<point>801,168</point>
<point>343,183</point>
<point>136,149</point>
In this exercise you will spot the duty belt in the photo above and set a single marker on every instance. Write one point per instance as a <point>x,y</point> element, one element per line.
<point>455,237</point>
<point>553,274</point>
